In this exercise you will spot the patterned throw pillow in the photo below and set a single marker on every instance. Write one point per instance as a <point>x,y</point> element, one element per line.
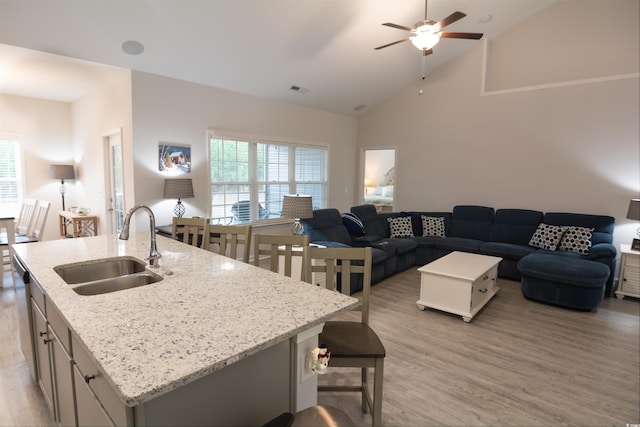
<point>547,237</point>
<point>400,226</point>
<point>576,239</point>
<point>433,226</point>
<point>353,224</point>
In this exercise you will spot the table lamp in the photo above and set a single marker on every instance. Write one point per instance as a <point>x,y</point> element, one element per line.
<point>634,214</point>
<point>297,207</point>
<point>177,189</point>
<point>62,172</point>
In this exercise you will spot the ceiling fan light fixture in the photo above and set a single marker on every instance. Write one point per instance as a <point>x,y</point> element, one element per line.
<point>425,40</point>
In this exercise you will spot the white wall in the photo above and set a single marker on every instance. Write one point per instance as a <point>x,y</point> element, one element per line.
<point>44,128</point>
<point>571,148</point>
<point>170,110</point>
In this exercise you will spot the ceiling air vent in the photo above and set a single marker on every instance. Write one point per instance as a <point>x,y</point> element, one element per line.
<point>299,89</point>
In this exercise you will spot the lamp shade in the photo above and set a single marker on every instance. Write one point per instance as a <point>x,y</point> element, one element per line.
<point>297,207</point>
<point>178,188</point>
<point>62,172</point>
<point>634,210</point>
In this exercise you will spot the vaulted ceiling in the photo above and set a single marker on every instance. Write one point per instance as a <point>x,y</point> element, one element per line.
<point>258,47</point>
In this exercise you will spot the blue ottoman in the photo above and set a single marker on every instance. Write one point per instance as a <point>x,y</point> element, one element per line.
<point>564,281</point>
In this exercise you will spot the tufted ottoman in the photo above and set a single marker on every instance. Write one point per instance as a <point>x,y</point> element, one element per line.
<point>564,281</point>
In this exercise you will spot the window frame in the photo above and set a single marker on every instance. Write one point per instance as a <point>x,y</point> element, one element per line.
<point>255,183</point>
<point>14,206</point>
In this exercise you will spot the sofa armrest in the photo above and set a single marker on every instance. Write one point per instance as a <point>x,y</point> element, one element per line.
<point>602,250</point>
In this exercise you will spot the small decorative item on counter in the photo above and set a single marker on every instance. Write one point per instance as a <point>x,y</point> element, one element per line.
<point>319,360</point>
<point>83,211</point>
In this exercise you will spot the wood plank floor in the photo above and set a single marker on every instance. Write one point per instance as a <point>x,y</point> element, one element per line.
<point>518,363</point>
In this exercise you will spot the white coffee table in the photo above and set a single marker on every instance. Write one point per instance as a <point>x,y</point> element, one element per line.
<point>459,283</point>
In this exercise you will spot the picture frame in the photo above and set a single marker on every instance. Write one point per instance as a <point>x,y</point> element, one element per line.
<point>635,245</point>
<point>174,158</point>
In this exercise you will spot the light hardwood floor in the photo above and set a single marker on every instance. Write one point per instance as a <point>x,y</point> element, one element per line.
<point>518,363</point>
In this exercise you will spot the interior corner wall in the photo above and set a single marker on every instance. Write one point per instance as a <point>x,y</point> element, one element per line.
<point>44,128</point>
<point>565,147</point>
<point>175,111</point>
<point>105,109</point>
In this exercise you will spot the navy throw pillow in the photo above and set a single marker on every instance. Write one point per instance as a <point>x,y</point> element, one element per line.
<point>353,224</point>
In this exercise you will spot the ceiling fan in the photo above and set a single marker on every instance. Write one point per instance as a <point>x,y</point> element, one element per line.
<point>426,34</point>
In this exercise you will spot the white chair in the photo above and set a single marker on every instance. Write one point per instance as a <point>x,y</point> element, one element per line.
<point>7,224</point>
<point>23,222</point>
<point>37,224</point>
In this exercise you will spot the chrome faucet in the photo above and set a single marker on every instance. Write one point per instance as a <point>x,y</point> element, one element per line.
<point>154,255</point>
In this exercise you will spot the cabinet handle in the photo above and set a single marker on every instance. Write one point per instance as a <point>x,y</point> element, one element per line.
<point>88,378</point>
<point>42,333</point>
<point>47,340</point>
<point>485,277</point>
<point>483,291</point>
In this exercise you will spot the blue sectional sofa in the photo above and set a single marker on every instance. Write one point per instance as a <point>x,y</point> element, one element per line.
<point>478,229</point>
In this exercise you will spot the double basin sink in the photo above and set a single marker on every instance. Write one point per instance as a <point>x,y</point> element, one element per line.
<point>106,275</point>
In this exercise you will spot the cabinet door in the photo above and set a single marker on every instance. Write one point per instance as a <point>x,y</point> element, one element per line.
<point>63,374</point>
<point>43,367</point>
<point>90,412</point>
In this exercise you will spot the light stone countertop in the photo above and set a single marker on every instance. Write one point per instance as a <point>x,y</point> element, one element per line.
<point>211,312</point>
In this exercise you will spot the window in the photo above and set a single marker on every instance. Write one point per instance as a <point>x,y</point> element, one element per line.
<point>249,178</point>
<point>10,173</point>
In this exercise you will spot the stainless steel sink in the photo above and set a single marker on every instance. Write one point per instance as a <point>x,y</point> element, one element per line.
<point>107,275</point>
<point>114,284</point>
<point>90,271</point>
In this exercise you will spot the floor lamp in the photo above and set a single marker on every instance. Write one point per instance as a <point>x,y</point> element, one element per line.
<point>62,172</point>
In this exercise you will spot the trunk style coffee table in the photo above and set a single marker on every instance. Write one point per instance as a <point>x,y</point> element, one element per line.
<point>459,283</point>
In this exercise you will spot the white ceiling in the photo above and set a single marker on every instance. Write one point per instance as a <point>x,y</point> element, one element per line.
<point>258,47</point>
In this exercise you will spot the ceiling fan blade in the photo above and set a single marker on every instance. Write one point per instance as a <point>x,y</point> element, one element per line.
<point>399,27</point>
<point>426,52</point>
<point>470,36</point>
<point>391,44</point>
<point>455,16</point>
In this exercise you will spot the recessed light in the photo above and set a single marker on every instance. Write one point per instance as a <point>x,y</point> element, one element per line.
<point>132,47</point>
<point>360,107</point>
<point>485,19</point>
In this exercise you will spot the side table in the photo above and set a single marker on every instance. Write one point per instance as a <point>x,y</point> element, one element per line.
<point>629,279</point>
<point>75,225</point>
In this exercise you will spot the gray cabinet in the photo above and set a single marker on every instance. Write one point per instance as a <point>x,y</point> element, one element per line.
<point>90,411</point>
<point>41,339</point>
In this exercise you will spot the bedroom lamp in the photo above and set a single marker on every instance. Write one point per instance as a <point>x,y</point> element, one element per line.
<point>177,189</point>
<point>634,214</point>
<point>62,172</point>
<point>297,207</point>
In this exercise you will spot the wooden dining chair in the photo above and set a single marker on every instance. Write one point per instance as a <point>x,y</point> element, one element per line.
<point>353,344</point>
<point>286,254</point>
<point>227,239</point>
<point>188,230</point>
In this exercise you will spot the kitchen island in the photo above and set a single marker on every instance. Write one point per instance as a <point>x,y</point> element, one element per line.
<point>215,342</point>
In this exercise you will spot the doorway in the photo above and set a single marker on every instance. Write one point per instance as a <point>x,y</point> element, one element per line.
<point>114,182</point>
<point>379,178</point>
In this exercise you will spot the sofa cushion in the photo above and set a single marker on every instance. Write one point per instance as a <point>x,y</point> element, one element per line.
<point>432,226</point>
<point>326,225</point>
<point>576,239</point>
<point>602,224</point>
<point>506,250</point>
<point>395,246</point>
<point>400,226</point>
<point>471,222</point>
<point>458,244</point>
<point>353,224</point>
<point>515,225</point>
<point>547,237</point>
<point>364,212</point>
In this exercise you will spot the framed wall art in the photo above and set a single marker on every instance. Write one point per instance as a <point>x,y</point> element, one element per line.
<point>174,159</point>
